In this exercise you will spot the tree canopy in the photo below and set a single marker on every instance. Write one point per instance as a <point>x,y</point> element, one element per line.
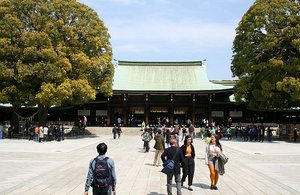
<point>52,52</point>
<point>266,55</point>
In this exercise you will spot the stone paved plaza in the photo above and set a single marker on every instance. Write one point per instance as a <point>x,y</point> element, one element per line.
<point>28,167</point>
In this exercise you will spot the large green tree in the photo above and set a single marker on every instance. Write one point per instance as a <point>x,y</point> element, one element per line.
<point>52,52</point>
<point>266,55</point>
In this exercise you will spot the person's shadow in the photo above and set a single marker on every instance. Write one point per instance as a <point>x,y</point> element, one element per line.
<point>198,185</point>
<point>202,185</point>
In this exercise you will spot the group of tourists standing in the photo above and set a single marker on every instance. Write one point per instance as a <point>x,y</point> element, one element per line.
<point>45,133</point>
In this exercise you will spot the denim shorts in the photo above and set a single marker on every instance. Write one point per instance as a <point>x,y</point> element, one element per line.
<point>212,160</point>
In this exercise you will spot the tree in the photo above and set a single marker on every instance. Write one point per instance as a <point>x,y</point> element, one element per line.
<point>266,55</point>
<point>52,52</point>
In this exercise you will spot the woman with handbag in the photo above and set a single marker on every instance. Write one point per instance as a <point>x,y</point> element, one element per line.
<point>213,149</point>
<point>189,163</point>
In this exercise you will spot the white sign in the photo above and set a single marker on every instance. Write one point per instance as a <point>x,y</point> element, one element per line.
<point>217,113</point>
<point>101,112</point>
<point>84,112</point>
<point>236,114</point>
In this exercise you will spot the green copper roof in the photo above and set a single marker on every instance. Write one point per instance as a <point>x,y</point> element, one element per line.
<point>163,76</point>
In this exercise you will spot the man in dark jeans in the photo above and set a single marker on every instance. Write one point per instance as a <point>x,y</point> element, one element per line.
<point>168,154</point>
<point>111,188</point>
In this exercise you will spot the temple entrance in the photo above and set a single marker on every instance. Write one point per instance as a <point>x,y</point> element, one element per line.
<point>182,116</point>
<point>158,116</point>
<point>200,114</point>
<point>136,116</point>
<point>118,116</point>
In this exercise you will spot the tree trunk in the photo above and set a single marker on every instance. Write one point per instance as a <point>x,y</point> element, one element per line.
<point>43,114</point>
<point>14,121</point>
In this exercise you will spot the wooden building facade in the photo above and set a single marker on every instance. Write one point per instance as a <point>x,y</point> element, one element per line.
<point>156,91</point>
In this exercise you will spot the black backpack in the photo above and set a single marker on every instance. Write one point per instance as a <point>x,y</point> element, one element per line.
<point>102,174</point>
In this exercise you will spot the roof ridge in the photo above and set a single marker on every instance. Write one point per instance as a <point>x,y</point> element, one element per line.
<point>160,63</point>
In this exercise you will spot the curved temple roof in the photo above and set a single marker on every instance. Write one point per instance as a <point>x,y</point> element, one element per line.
<point>163,76</point>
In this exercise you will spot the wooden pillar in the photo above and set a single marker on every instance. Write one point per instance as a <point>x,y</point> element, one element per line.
<point>210,100</point>
<point>92,116</point>
<point>193,110</point>
<point>108,120</point>
<point>146,109</point>
<point>226,113</point>
<point>193,114</point>
<point>171,110</point>
<point>125,118</point>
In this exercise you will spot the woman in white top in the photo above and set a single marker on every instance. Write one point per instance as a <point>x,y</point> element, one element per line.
<point>212,149</point>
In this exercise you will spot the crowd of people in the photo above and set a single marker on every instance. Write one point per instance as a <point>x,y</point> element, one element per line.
<point>171,143</point>
<point>102,176</point>
<point>45,133</point>
<point>167,147</point>
<point>167,141</point>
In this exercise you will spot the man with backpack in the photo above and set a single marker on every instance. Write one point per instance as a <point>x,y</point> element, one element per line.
<point>101,175</point>
<point>173,153</point>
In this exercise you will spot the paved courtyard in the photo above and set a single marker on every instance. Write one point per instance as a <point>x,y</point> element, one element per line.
<point>28,167</point>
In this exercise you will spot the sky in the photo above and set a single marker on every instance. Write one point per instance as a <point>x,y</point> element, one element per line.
<point>173,30</point>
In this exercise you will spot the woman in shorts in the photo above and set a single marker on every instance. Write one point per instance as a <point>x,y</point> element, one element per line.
<point>212,150</point>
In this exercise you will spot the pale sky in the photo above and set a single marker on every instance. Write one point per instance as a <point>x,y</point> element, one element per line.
<point>173,30</point>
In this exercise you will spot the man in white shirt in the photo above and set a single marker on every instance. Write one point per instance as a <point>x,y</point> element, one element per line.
<point>46,133</point>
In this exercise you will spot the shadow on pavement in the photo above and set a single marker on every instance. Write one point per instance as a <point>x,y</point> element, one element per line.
<point>202,185</point>
<point>154,193</point>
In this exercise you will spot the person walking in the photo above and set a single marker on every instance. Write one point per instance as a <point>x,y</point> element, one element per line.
<point>192,131</point>
<point>202,132</point>
<point>119,131</point>
<point>168,154</point>
<point>295,134</point>
<point>101,174</point>
<point>159,147</point>
<point>114,131</point>
<point>168,136</point>
<point>229,133</point>
<point>143,125</point>
<point>212,150</point>
<point>175,133</point>
<point>184,132</point>
<point>189,163</point>
<point>147,140</point>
